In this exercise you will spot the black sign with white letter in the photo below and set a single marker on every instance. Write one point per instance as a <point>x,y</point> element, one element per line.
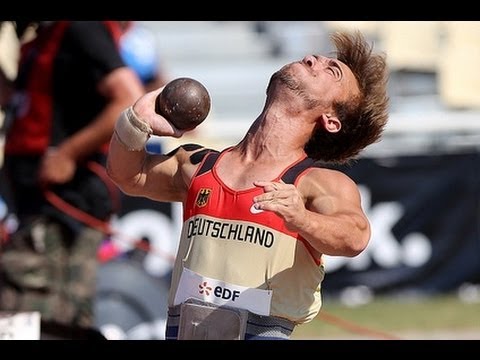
<point>424,211</point>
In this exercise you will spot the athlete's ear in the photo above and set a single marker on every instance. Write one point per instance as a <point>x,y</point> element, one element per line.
<point>330,123</point>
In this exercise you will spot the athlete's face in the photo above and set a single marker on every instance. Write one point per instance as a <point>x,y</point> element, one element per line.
<point>318,80</point>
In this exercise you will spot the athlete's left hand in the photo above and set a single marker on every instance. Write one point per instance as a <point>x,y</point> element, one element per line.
<point>283,199</point>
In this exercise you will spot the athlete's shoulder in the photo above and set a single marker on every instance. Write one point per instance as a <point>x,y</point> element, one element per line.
<point>328,176</point>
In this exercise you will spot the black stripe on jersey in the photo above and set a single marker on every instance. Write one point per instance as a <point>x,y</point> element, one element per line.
<point>209,162</point>
<point>292,173</point>
<point>194,158</point>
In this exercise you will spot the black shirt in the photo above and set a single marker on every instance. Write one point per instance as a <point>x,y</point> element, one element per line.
<point>87,53</point>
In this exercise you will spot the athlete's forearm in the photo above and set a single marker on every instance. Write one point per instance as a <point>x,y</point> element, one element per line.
<point>125,167</point>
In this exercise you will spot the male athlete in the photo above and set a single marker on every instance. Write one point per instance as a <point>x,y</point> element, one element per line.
<point>259,215</point>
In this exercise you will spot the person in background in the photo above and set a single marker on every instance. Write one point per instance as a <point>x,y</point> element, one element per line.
<point>259,215</point>
<point>71,86</point>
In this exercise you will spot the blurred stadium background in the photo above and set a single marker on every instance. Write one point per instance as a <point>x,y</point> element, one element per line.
<point>420,185</point>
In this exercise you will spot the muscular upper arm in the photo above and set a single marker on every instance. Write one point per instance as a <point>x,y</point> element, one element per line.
<point>331,192</point>
<point>167,177</point>
<point>335,223</point>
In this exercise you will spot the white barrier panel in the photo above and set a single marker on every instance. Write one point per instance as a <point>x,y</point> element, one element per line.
<point>20,326</point>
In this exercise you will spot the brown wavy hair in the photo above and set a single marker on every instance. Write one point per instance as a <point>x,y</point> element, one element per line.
<point>363,117</point>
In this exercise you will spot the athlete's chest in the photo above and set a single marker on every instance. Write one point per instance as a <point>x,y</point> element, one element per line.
<point>211,197</point>
<point>239,177</point>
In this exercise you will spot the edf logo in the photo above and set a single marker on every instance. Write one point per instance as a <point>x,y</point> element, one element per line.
<point>226,294</point>
<point>219,292</point>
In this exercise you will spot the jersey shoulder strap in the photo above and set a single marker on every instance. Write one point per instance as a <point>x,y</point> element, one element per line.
<point>291,174</point>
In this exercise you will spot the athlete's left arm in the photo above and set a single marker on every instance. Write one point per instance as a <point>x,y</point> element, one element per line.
<point>324,208</point>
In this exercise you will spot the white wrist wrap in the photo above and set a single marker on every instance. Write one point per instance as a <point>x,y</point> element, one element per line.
<point>132,132</point>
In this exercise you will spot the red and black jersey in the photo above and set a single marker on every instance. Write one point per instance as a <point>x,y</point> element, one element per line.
<point>228,244</point>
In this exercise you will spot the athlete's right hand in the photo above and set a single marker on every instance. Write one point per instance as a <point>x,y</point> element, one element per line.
<point>144,108</point>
